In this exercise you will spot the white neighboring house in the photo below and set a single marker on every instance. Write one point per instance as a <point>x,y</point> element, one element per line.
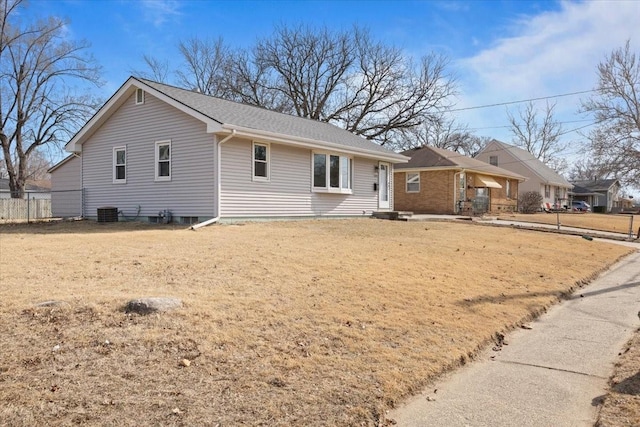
<point>31,191</point>
<point>153,148</point>
<point>553,188</point>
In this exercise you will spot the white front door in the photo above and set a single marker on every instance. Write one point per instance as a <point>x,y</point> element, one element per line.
<point>383,185</point>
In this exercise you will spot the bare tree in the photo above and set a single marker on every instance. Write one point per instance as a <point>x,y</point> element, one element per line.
<point>447,134</point>
<point>205,66</point>
<point>345,78</point>
<point>587,169</point>
<point>158,70</point>
<point>38,106</point>
<point>615,141</point>
<point>541,138</point>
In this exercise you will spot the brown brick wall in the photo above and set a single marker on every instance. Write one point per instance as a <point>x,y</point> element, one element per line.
<point>436,193</point>
<point>435,196</point>
<point>499,202</point>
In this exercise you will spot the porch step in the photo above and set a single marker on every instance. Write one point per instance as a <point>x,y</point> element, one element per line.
<point>393,215</point>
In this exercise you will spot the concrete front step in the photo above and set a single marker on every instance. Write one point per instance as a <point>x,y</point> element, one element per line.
<point>393,215</point>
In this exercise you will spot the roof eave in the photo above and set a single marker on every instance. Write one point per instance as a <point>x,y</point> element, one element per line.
<point>62,162</point>
<point>459,168</point>
<point>268,136</point>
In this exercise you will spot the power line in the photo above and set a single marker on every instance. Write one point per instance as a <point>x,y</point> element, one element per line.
<point>508,126</point>
<point>521,101</point>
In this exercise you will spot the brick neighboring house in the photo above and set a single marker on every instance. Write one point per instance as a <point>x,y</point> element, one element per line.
<point>439,181</point>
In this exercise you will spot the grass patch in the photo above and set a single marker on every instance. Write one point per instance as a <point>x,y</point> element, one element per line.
<point>621,405</point>
<point>284,323</point>
<point>604,222</point>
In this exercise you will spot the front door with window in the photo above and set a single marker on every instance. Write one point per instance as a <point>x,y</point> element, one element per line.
<point>383,186</point>
<point>481,203</point>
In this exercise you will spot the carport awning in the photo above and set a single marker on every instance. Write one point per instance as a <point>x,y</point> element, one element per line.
<point>488,182</point>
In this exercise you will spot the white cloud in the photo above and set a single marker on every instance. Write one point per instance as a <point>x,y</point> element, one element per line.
<point>546,54</point>
<point>160,11</point>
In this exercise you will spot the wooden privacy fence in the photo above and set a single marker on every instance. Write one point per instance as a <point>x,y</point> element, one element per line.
<point>24,209</point>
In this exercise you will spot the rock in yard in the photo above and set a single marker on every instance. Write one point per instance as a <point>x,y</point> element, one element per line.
<point>185,363</point>
<point>152,305</point>
<point>51,303</point>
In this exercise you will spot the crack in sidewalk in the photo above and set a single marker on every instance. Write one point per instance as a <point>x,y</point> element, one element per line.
<point>533,365</point>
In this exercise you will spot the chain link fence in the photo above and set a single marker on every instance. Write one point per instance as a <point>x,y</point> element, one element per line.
<point>40,205</point>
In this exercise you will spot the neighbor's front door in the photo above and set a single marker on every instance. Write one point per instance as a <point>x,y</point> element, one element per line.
<point>383,185</point>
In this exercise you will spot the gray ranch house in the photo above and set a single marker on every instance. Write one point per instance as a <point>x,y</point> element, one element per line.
<point>602,194</point>
<point>155,151</point>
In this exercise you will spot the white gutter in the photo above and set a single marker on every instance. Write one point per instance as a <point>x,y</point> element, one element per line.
<point>456,181</point>
<point>219,183</point>
<point>390,157</point>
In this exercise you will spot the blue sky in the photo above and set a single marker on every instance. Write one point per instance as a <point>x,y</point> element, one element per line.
<point>500,51</point>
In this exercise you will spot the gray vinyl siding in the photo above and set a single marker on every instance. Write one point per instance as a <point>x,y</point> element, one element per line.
<point>288,191</point>
<point>66,189</point>
<point>191,190</point>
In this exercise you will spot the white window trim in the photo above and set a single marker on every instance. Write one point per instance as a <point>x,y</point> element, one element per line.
<point>253,162</point>
<point>157,160</point>
<point>508,189</point>
<point>141,92</point>
<point>414,182</point>
<point>115,150</point>
<point>328,188</point>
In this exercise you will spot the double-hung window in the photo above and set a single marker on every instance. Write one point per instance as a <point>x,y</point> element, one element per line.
<point>120,165</point>
<point>413,182</point>
<point>260,162</point>
<point>493,160</point>
<point>332,173</point>
<point>163,161</point>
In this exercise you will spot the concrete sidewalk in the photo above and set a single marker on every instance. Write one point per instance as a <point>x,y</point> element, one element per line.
<point>550,375</point>
<point>526,225</point>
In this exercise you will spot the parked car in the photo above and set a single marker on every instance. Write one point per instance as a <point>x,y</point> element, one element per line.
<point>579,205</point>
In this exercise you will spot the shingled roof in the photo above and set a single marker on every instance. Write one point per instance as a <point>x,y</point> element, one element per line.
<point>596,185</point>
<point>261,119</point>
<point>548,175</point>
<point>433,157</point>
<point>224,117</point>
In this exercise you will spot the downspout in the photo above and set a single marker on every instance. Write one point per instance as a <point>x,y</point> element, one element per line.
<point>218,182</point>
<point>456,182</point>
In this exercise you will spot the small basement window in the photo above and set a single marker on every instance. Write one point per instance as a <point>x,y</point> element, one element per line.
<point>189,220</point>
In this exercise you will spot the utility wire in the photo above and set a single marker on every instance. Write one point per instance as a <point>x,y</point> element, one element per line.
<point>521,101</point>
<point>508,126</point>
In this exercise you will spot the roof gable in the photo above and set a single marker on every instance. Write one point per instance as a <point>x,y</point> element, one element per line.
<point>433,157</point>
<point>529,161</point>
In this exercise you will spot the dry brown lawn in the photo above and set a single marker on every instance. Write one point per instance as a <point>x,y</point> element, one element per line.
<point>285,323</point>
<point>615,223</point>
<point>621,405</point>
